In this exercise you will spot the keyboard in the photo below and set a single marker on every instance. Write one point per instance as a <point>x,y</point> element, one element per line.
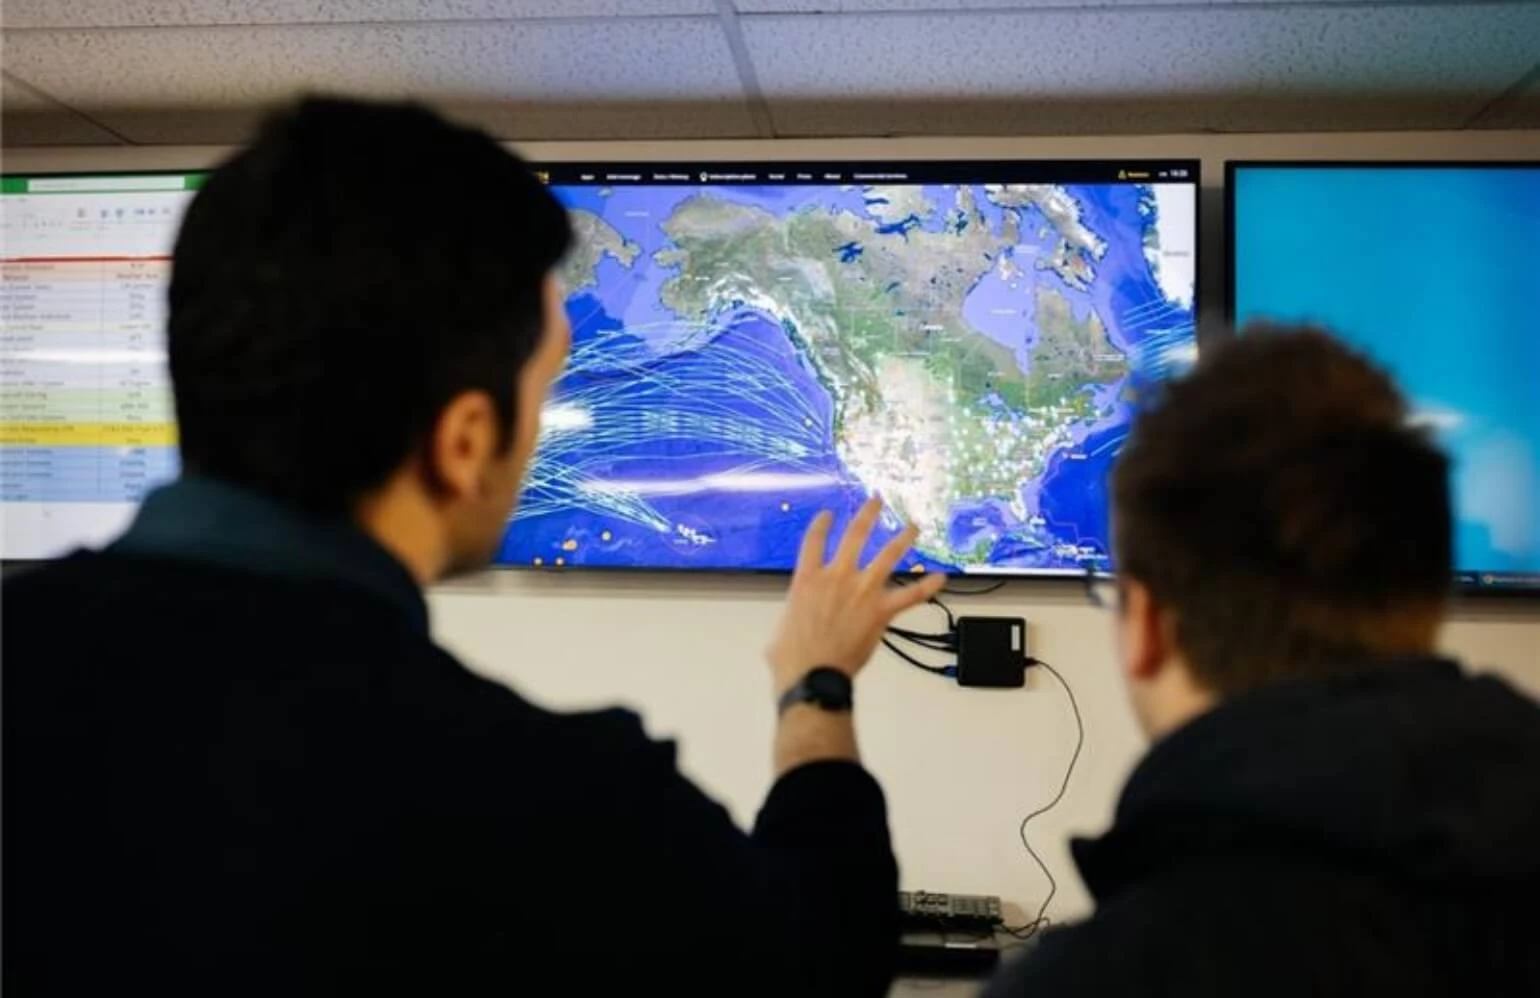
<point>959,912</point>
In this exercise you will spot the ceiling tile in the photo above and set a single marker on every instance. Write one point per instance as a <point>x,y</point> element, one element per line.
<point>667,59</point>
<point>31,120</point>
<point>610,121</point>
<point>886,6</point>
<point>1270,3</point>
<point>1111,116</point>
<point>504,120</point>
<point>50,128</point>
<point>1519,108</point>
<point>164,13</point>
<point>841,6</point>
<point>1523,111</point>
<point>15,97</point>
<point>1238,61</point>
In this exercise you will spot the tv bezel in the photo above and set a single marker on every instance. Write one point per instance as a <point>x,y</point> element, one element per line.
<point>1465,582</point>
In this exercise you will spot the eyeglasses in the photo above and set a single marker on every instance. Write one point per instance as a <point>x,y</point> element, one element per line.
<point>1102,590</point>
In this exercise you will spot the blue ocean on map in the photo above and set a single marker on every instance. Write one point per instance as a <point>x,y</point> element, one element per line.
<point>708,442</point>
<point>1367,253</point>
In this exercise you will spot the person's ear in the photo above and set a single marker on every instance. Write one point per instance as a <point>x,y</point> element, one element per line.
<point>1146,636</point>
<point>464,443</point>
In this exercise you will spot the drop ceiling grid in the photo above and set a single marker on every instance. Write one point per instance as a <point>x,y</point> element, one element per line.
<point>1114,67</point>
<point>1182,69</point>
<point>182,13</point>
<point>1103,52</point>
<point>217,66</point>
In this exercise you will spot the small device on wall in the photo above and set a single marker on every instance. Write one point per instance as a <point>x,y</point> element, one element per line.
<point>991,651</point>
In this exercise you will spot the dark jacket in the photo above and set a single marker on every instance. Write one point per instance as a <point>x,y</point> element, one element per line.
<point>1378,835</point>
<point>221,781</point>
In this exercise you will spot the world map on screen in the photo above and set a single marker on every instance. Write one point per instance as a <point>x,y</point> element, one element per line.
<point>744,356</point>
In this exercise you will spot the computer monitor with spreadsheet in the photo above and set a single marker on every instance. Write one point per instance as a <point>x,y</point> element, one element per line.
<point>86,422</point>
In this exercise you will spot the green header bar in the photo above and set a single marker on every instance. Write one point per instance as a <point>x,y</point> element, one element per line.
<point>124,183</point>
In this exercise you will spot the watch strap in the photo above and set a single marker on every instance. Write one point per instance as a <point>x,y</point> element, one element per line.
<point>824,687</point>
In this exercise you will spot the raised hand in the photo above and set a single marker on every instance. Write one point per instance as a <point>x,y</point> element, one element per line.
<point>837,611</point>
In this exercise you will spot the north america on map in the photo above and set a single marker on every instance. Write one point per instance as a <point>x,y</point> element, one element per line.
<point>746,356</point>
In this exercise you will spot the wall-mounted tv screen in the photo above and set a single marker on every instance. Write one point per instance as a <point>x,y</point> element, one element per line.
<point>1434,271</point>
<point>755,342</point>
<point>751,343</point>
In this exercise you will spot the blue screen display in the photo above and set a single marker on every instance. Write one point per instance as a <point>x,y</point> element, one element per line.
<point>1434,271</point>
<point>755,343</point>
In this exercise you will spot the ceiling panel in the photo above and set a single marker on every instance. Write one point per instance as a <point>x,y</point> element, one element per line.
<point>29,120</point>
<point>601,121</point>
<point>886,6</point>
<point>846,6</point>
<point>1227,65</point>
<point>1519,109</point>
<point>51,128</point>
<point>163,13</point>
<point>14,97</point>
<point>667,59</point>
<point>512,120</point>
<point>833,118</point>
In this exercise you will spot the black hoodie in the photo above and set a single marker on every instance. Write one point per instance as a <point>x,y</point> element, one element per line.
<point>1376,834</point>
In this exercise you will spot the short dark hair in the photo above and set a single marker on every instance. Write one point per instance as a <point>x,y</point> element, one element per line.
<point>338,282</point>
<point>1278,502</point>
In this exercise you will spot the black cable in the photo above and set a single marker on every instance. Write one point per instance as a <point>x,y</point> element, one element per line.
<point>1026,932</point>
<point>994,588</point>
<point>948,589</point>
<point>939,642</point>
<point>1042,921</point>
<point>930,645</point>
<point>940,670</point>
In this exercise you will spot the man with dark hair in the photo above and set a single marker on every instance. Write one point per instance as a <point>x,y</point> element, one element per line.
<point>236,763</point>
<point>1329,808</point>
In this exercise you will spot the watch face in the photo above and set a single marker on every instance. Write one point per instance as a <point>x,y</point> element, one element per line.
<point>829,686</point>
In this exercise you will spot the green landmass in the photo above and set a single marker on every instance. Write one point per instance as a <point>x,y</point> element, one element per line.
<point>594,240</point>
<point>1070,354</point>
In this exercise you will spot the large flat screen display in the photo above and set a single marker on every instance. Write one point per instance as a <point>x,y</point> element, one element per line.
<point>1434,271</point>
<point>753,343</point>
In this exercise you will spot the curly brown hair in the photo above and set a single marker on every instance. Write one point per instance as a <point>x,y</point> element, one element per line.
<point>1279,504</point>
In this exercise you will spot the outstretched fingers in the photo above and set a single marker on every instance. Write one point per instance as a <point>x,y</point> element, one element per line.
<point>814,543</point>
<point>891,554</point>
<point>856,535</point>
<point>902,598</point>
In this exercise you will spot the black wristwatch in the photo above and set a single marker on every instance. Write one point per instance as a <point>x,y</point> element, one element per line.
<point>824,687</point>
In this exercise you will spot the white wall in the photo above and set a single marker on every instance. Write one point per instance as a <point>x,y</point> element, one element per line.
<point>960,766</point>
